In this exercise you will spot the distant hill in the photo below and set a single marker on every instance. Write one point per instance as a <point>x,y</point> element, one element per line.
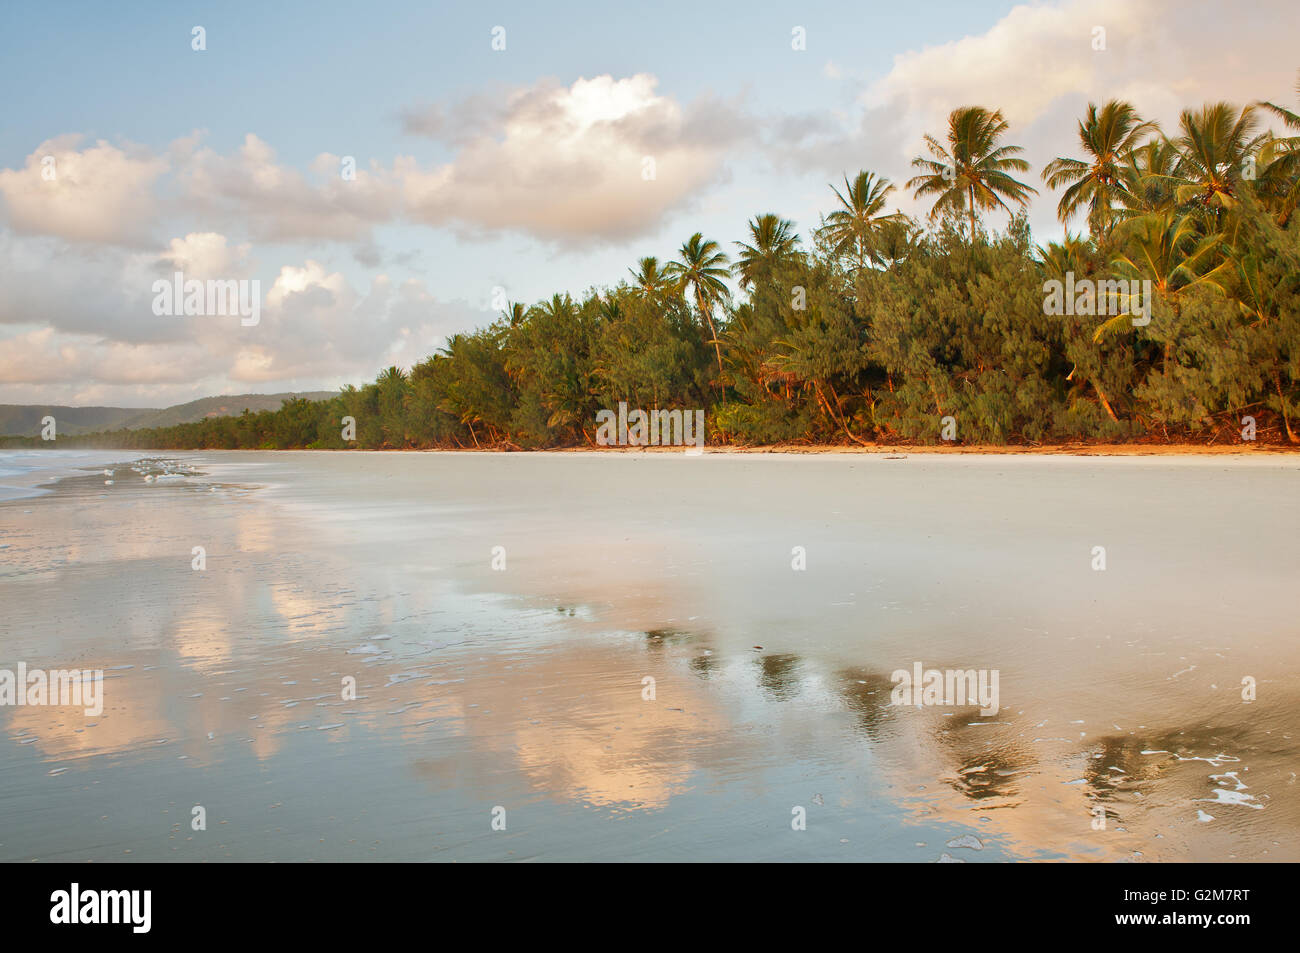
<point>25,419</point>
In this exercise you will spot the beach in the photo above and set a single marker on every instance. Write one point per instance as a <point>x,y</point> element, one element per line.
<point>651,656</point>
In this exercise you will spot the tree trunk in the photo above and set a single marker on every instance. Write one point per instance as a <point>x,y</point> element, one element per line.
<point>831,412</point>
<point>937,403</point>
<point>1104,402</point>
<point>1286,419</point>
<point>717,348</point>
<point>1169,344</point>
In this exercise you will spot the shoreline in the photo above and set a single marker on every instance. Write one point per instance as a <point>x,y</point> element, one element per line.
<point>1076,450</point>
<point>888,450</point>
<point>1045,450</point>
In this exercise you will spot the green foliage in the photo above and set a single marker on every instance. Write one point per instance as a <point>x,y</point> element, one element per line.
<point>880,329</point>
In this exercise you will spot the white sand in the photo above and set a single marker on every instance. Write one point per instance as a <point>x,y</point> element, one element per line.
<point>523,688</point>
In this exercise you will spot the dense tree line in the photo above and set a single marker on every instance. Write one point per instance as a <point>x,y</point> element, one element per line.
<point>876,327</point>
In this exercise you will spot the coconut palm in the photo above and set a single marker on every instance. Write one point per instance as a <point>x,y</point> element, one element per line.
<point>1106,135</point>
<point>1279,174</point>
<point>1218,144</point>
<point>1258,266</point>
<point>854,229</point>
<point>775,244</point>
<point>1148,179</point>
<point>973,172</point>
<point>895,241</point>
<point>700,271</point>
<point>1168,249</point>
<point>1074,255</point>
<point>609,307</point>
<point>1289,119</point>
<point>649,277</point>
<point>1058,260</point>
<point>560,308</point>
<point>515,313</point>
<point>1278,181</point>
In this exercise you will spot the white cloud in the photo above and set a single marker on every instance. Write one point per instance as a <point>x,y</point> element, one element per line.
<point>1039,66</point>
<point>1021,65</point>
<point>68,362</point>
<point>277,203</point>
<point>560,163</point>
<point>98,194</point>
<point>567,163</point>
<point>206,255</point>
<point>316,331</point>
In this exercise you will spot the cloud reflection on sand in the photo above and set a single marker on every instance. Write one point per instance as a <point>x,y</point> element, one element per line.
<point>525,688</point>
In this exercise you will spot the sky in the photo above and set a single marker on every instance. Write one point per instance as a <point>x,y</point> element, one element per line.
<point>501,151</point>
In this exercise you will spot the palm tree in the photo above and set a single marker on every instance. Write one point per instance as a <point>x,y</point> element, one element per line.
<point>560,307</point>
<point>1168,249</point>
<point>1291,119</point>
<point>895,241</point>
<point>610,307</point>
<point>973,171</point>
<point>1278,182</point>
<point>1148,179</point>
<point>1074,255</point>
<point>775,244</point>
<point>650,278</point>
<point>1259,264</point>
<point>1216,146</point>
<point>1279,179</point>
<point>1107,135</point>
<point>515,313</point>
<point>701,268</point>
<point>854,229</point>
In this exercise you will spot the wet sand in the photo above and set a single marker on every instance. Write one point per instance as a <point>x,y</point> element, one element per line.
<point>522,688</point>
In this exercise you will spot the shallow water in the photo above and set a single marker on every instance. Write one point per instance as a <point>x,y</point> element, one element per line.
<point>522,688</point>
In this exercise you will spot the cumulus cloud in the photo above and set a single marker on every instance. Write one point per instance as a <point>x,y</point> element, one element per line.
<point>1022,64</point>
<point>278,203</point>
<point>205,255</point>
<point>460,122</point>
<point>1163,55</point>
<point>1039,65</point>
<point>70,362</point>
<point>109,195</point>
<point>603,158</point>
<point>93,290</point>
<point>316,331</point>
<point>98,194</point>
<point>316,323</point>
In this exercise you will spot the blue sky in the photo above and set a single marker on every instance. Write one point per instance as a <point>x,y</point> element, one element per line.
<point>319,73</point>
<point>224,162</point>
